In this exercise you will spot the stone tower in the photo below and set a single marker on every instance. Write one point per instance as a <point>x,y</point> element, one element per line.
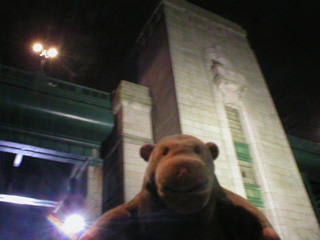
<point>204,80</point>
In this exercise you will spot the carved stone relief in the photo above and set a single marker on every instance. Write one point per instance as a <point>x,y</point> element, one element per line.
<point>215,53</point>
<point>231,84</point>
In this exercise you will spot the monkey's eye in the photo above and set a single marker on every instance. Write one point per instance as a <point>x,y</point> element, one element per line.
<point>197,149</point>
<point>165,151</point>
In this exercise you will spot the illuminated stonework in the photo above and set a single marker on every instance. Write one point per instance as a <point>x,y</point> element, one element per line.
<point>202,64</point>
<point>231,85</point>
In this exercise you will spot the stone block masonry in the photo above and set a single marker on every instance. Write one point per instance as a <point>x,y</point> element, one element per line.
<point>197,65</point>
<point>213,67</point>
<point>94,192</point>
<point>133,104</point>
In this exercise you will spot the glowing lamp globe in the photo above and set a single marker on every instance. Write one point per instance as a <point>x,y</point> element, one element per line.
<point>52,52</point>
<point>37,47</point>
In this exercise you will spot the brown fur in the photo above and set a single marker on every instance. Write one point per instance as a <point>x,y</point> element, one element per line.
<point>182,199</point>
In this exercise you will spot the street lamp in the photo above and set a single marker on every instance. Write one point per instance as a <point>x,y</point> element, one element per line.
<point>44,53</point>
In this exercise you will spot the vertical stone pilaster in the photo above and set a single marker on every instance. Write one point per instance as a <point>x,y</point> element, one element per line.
<point>228,88</point>
<point>94,191</point>
<point>132,105</point>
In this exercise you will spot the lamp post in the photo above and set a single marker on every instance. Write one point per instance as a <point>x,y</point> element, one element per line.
<point>44,53</point>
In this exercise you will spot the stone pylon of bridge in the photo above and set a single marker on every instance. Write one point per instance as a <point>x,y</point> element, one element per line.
<point>132,107</point>
<point>205,81</point>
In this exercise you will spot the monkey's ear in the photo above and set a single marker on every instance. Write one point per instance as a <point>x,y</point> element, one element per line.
<point>214,150</point>
<point>146,150</point>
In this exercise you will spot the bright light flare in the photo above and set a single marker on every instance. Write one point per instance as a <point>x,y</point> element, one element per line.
<point>37,47</point>
<point>27,201</point>
<point>52,52</point>
<point>74,223</point>
<point>17,160</point>
<point>60,226</point>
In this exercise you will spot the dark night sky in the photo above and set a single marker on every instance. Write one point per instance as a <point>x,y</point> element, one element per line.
<point>94,37</point>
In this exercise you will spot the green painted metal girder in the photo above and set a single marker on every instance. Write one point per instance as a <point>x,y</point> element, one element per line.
<point>307,155</point>
<point>51,113</point>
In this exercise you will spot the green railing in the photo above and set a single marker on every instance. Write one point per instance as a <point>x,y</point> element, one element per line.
<point>39,82</point>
